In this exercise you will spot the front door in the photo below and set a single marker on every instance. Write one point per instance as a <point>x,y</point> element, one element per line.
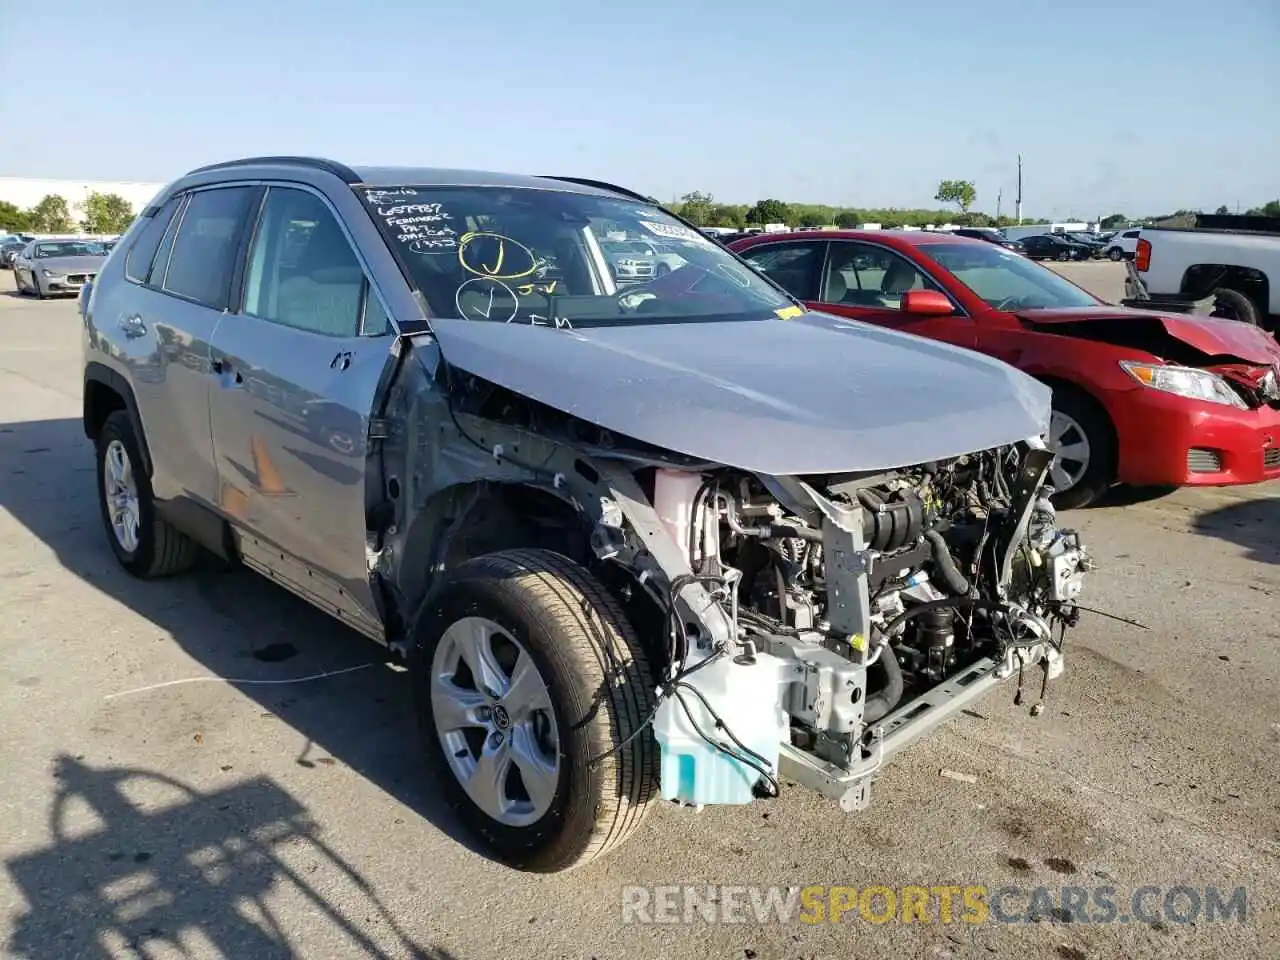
<point>294,382</point>
<point>865,281</point>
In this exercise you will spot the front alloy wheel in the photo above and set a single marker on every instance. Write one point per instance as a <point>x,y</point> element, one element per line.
<point>493,715</point>
<point>1070,448</point>
<point>1083,444</point>
<point>534,694</point>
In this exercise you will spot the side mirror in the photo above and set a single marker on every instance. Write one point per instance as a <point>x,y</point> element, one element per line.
<point>927,303</point>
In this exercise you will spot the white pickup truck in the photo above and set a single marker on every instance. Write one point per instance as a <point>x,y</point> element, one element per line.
<point>1236,270</point>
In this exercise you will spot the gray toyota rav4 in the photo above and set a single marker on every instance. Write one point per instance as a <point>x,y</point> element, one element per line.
<point>675,540</point>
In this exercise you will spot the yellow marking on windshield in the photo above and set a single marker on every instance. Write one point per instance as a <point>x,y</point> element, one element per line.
<point>468,256</point>
<point>789,313</point>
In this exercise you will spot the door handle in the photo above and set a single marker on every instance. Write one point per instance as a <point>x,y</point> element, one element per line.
<point>133,326</point>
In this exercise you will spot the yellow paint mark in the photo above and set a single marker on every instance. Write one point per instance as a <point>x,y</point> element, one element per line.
<point>858,642</point>
<point>466,255</point>
<point>789,313</point>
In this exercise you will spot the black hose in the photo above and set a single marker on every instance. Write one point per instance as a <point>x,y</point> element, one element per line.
<point>886,698</point>
<point>946,564</point>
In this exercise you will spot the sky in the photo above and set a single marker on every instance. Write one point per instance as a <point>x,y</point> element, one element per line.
<point>1115,107</point>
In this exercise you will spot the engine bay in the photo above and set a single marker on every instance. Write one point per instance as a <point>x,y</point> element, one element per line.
<point>887,588</point>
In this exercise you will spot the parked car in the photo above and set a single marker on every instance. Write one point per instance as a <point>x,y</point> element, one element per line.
<point>568,502</point>
<point>631,261</point>
<point>1050,246</point>
<point>1091,240</point>
<point>1238,270</point>
<point>9,251</point>
<point>46,267</point>
<point>1122,245</point>
<point>1139,398</point>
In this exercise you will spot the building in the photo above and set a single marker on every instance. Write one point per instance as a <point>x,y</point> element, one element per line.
<point>25,193</point>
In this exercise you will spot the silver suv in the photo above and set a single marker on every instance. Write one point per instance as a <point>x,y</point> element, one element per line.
<point>672,539</point>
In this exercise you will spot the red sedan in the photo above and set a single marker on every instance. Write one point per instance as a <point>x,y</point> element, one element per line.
<point>1140,397</point>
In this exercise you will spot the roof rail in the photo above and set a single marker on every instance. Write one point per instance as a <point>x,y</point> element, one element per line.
<point>602,185</point>
<point>339,170</point>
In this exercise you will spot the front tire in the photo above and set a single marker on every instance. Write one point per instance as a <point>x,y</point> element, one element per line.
<point>526,674</point>
<point>145,544</point>
<point>37,291</point>
<point>1115,254</point>
<point>1083,442</point>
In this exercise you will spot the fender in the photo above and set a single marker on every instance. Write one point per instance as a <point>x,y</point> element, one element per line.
<point>98,376</point>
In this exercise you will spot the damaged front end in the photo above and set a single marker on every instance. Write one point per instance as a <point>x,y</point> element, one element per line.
<point>857,612</point>
<point>806,626</point>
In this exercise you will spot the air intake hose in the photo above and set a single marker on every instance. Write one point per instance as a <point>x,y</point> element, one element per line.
<point>946,564</point>
<point>886,698</point>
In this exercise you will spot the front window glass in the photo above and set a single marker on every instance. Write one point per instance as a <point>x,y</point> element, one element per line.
<point>69,248</point>
<point>302,271</point>
<point>865,275</point>
<point>1006,280</point>
<point>560,259</point>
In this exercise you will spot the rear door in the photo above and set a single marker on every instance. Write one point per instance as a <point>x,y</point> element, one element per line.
<point>296,368</point>
<point>178,275</point>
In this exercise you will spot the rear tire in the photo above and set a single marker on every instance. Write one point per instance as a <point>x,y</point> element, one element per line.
<point>1087,429</point>
<point>600,694</point>
<point>155,548</point>
<point>1237,306</point>
<point>1115,254</point>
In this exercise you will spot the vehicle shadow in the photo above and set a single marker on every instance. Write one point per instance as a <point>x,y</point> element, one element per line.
<point>235,623</point>
<point>1253,524</point>
<point>140,862</point>
<point>1123,495</point>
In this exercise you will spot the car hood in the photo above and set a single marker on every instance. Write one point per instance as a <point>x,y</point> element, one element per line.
<point>814,395</point>
<point>70,264</point>
<point>1212,336</point>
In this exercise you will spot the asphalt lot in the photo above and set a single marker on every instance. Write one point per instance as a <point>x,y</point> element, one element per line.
<point>239,820</point>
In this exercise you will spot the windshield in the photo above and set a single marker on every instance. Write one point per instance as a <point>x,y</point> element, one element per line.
<point>551,258</point>
<point>69,248</point>
<point>1006,280</point>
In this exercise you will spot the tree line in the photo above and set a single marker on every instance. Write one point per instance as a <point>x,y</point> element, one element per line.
<point>702,209</point>
<point>103,213</point>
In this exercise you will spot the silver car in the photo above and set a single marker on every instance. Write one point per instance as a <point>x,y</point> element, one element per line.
<point>672,539</point>
<point>46,267</point>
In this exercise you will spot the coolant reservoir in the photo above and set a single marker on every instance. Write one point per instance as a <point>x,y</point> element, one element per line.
<point>673,495</point>
<point>748,699</point>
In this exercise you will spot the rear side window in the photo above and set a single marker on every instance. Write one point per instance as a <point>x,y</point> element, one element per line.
<point>1131,234</point>
<point>792,266</point>
<point>204,249</point>
<point>137,264</point>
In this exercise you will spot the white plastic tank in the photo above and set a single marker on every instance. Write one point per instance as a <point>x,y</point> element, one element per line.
<point>747,697</point>
<point>673,495</point>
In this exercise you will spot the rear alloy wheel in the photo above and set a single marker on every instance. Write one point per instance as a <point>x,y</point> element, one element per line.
<point>1080,438</point>
<point>146,545</point>
<point>1235,306</point>
<point>1115,253</point>
<point>532,692</point>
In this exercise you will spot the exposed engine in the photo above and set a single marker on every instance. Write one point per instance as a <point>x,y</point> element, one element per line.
<point>941,566</point>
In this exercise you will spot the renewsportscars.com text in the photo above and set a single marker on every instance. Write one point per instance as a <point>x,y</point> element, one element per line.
<point>936,904</point>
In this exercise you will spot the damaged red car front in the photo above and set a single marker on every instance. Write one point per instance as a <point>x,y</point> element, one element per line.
<point>1193,401</point>
<point>1140,397</point>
